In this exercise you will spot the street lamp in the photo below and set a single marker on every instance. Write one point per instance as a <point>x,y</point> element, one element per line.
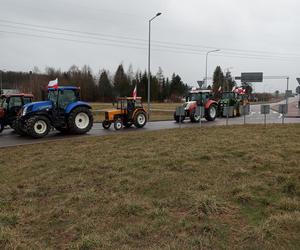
<point>216,50</point>
<point>149,82</point>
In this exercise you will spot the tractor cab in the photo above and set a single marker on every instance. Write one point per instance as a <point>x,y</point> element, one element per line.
<point>10,106</point>
<point>63,96</point>
<point>129,111</point>
<point>199,96</point>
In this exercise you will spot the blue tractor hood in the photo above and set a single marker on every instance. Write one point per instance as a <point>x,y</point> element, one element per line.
<point>38,106</point>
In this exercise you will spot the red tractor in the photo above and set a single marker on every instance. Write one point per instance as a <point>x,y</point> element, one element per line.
<point>10,106</point>
<point>198,98</point>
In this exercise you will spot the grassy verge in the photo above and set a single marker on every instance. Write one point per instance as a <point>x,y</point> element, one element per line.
<point>178,189</point>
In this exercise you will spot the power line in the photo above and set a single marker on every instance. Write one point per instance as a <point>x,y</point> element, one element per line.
<point>121,44</point>
<point>162,43</point>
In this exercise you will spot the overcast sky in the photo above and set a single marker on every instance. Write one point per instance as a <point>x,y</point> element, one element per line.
<point>256,35</point>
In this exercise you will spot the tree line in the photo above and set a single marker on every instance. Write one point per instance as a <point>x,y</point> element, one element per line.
<point>103,87</point>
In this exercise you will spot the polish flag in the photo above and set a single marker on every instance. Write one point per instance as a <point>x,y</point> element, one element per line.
<point>233,89</point>
<point>220,88</point>
<point>134,93</point>
<point>53,84</point>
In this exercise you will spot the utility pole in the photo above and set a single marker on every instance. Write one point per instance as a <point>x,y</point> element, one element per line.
<point>149,75</point>
<point>216,50</point>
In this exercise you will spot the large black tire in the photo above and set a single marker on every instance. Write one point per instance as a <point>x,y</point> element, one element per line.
<point>38,126</point>
<point>106,124</point>
<point>18,128</point>
<point>177,118</point>
<point>80,120</point>
<point>140,119</point>
<point>194,117</point>
<point>211,113</point>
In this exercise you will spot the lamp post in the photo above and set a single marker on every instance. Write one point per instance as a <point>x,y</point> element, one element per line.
<point>149,81</point>
<point>216,50</point>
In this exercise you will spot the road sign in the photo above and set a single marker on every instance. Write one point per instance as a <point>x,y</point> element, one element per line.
<point>298,90</point>
<point>265,109</point>
<point>288,93</point>
<point>245,109</point>
<point>228,111</point>
<point>298,79</point>
<point>252,77</point>
<point>283,109</point>
<point>200,83</point>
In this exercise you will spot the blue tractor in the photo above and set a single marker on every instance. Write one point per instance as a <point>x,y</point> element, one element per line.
<point>63,110</point>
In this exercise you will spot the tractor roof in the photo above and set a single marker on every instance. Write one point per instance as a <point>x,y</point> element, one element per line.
<point>64,88</point>
<point>129,98</point>
<point>17,95</point>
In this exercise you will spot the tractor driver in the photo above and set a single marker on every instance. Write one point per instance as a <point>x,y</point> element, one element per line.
<point>130,107</point>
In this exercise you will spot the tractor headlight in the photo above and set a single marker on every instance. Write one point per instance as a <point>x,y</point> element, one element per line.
<point>24,111</point>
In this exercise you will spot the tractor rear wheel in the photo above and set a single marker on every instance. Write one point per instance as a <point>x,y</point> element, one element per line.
<point>140,119</point>
<point>118,124</point>
<point>106,124</point>
<point>38,126</point>
<point>80,120</point>
<point>211,113</point>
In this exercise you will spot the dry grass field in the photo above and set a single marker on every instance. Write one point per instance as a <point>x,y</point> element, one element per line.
<point>192,188</point>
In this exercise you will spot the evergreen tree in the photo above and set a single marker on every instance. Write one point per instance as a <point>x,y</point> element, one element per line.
<point>218,80</point>
<point>105,88</point>
<point>121,82</point>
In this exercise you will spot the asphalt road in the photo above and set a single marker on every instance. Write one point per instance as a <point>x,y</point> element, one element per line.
<point>9,138</point>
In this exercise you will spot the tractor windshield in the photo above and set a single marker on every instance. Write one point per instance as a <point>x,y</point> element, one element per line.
<point>27,100</point>
<point>194,97</point>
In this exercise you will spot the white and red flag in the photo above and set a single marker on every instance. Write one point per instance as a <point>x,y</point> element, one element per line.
<point>53,84</point>
<point>220,88</point>
<point>134,93</point>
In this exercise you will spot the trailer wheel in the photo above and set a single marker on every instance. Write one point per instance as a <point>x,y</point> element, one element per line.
<point>211,113</point>
<point>140,119</point>
<point>106,124</point>
<point>80,120</point>
<point>118,124</point>
<point>38,126</point>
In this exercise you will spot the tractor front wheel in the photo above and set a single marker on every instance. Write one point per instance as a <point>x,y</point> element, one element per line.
<point>211,113</point>
<point>140,119</point>
<point>38,126</point>
<point>118,124</point>
<point>106,124</point>
<point>80,120</point>
<point>194,117</point>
